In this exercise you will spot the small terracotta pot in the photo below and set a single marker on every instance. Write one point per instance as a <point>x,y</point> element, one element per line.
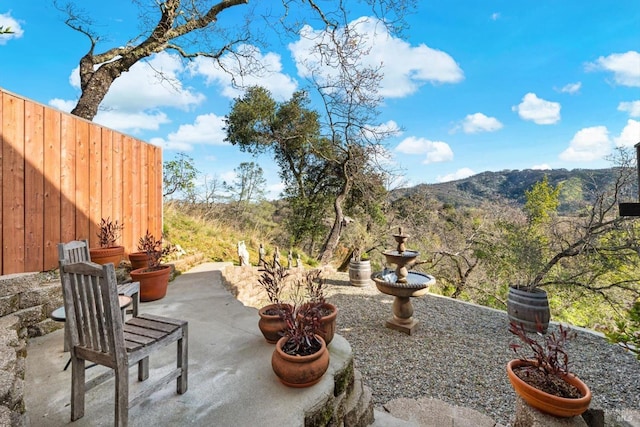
<point>153,283</point>
<point>545,402</point>
<point>328,323</point>
<point>139,260</point>
<point>106,255</point>
<point>271,325</point>
<point>300,371</point>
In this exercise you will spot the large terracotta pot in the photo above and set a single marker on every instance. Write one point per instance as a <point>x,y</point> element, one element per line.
<point>299,371</point>
<point>545,402</point>
<point>528,307</point>
<point>106,255</point>
<point>153,283</point>
<point>139,260</point>
<point>271,325</point>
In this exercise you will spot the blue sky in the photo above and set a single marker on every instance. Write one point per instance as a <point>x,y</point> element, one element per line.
<point>472,85</point>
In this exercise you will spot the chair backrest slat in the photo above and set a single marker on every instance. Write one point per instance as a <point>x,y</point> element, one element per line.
<point>91,302</point>
<point>74,251</point>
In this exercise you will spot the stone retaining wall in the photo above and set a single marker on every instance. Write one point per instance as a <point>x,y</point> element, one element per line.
<point>25,303</point>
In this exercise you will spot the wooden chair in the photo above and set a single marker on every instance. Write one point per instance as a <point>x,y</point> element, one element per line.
<point>97,334</point>
<point>78,251</point>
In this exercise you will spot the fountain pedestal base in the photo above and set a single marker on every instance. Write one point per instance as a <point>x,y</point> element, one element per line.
<point>407,328</point>
<point>402,319</point>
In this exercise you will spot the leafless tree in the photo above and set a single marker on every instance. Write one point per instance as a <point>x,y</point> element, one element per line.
<point>208,29</point>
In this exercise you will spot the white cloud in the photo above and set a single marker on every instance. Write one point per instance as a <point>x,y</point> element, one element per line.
<point>404,67</point>
<point>633,108</point>
<point>478,122</point>
<point>459,174</point>
<point>538,110</point>
<point>436,151</point>
<point>571,88</point>
<point>541,167</point>
<point>151,84</point>
<point>624,66</point>
<point>495,16</point>
<point>207,129</point>
<point>131,122</point>
<point>630,134</point>
<point>7,21</point>
<point>269,75</point>
<point>587,145</point>
<point>62,104</point>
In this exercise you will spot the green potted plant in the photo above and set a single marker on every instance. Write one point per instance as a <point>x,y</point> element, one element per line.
<point>140,259</point>
<point>359,268</point>
<point>108,251</point>
<point>154,279</point>
<point>300,357</point>
<point>543,379</point>
<point>272,280</point>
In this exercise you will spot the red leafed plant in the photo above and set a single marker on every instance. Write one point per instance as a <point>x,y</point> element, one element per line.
<point>303,321</point>
<point>549,361</point>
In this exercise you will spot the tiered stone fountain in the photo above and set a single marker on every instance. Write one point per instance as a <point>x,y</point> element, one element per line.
<point>402,284</point>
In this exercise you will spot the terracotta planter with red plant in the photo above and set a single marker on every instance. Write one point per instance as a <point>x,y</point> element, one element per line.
<point>543,379</point>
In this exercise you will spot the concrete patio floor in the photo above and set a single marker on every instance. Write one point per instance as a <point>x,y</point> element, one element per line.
<point>231,382</point>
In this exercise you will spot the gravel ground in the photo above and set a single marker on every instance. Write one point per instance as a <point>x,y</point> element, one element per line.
<point>459,354</point>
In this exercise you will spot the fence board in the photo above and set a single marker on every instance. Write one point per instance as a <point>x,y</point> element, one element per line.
<point>82,178</point>
<point>67,179</point>
<point>95,178</point>
<point>105,181</point>
<point>59,175</point>
<point>52,211</point>
<point>13,214</point>
<point>34,186</point>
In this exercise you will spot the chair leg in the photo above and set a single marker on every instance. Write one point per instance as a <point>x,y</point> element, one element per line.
<point>143,369</point>
<point>136,303</point>
<point>122,396</point>
<point>77,388</point>
<point>183,361</point>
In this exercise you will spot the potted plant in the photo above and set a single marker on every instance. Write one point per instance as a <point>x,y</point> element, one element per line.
<point>359,269</point>
<point>542,379</point>
<point>140,259</point>
<point>300,358</point>
<point>154,278</point>
<point>272,280</point>
<point>315,285</point>
<point>108,251</point>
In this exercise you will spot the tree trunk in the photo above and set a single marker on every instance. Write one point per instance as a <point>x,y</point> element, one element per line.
<point>94,89</point>
<point>336,230</point>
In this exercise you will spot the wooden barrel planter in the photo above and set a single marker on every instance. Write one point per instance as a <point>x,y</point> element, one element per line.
<point>528,307</point>
<point>360,273</point>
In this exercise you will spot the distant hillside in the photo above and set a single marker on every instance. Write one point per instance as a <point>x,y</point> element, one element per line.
<point>578,186</point>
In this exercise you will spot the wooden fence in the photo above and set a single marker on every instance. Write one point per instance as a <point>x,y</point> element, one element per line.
<point>60,174</point>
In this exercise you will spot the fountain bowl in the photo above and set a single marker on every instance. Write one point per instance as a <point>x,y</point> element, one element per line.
<point>417,283</point>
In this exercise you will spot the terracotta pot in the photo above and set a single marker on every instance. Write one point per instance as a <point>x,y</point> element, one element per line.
<point>299,371</point>
<point>271,325</point>
<point>139,260</point>
<point>153,283</point>
<point>327,323</point>
<point>545,402</point>
<point>106,255</point>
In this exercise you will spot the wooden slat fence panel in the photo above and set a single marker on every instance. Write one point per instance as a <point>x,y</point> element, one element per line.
<point>34,185</point>
<point>59,175</point>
